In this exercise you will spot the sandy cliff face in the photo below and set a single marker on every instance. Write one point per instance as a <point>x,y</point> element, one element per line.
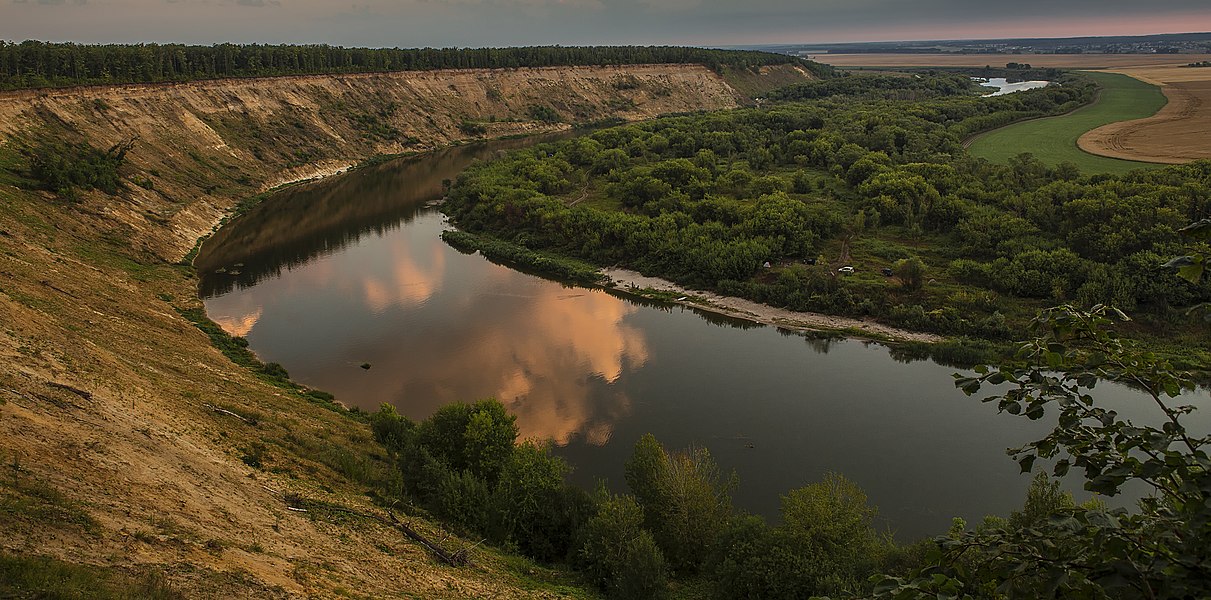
<point>201,145</point>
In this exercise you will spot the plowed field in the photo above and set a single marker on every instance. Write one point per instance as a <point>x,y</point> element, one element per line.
<point>1179,132</point>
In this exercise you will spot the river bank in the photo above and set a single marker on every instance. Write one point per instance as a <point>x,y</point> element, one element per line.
<point>740,308</point>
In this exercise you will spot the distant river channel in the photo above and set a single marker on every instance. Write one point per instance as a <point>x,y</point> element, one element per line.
<point>349,270</point>
<point>1003,86</point>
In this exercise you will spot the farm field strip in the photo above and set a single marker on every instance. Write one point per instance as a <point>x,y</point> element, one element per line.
<point>1177,133</point>
<point>1161,115</point>
<point>1054,139</point>
<point>1070,61</point>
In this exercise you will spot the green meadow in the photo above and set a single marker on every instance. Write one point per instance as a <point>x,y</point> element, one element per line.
<point>1053,139</point>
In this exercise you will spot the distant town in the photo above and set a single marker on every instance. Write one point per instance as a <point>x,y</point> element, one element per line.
<point>1183,43</point>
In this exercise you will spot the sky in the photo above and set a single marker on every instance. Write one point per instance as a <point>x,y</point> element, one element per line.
<point>475,23</point>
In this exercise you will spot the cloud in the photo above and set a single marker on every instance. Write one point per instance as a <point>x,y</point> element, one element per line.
<point>416,23</point>
<point>53,2</point>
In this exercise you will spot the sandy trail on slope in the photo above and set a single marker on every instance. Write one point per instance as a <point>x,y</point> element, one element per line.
<point>760,313</point>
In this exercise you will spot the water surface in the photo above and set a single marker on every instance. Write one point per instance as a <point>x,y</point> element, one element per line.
<point>329,276</point>
<point>1004,87</point>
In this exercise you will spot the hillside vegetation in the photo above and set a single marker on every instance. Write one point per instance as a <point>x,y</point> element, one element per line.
<point>938,241</point>
<point>148,454</point>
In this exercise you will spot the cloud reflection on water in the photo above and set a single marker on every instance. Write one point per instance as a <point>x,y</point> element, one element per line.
<point>439,330</point>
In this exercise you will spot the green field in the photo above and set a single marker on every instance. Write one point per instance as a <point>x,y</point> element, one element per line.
<point>1053,139</point>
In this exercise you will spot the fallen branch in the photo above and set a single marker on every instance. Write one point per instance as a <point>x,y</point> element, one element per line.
<point>230,414</point>
<point>75,390</point>
<point>21,394</point>
<point>58,289</point>
<point>456,559</point>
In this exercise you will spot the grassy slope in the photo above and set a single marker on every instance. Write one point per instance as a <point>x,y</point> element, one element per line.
<point>142,484</point>
<point>752,85</point>
<point>1053,140</point>
<point>145,491</point>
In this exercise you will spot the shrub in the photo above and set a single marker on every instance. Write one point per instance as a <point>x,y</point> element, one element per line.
<point>618,555</point>
<point>686,500</point>
<point>475,437</point>
<point>62,167</point>
<point>910,272</point>
<point>545,114</point>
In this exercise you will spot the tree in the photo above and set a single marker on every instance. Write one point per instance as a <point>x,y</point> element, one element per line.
<point>686,499</point>
<point>645,469</point>
<point>910,272</point>
<point>534,507</point>
<point>476,437</point>
<point>619,555</point>
<point>753,560</point>
<point>833,521</point>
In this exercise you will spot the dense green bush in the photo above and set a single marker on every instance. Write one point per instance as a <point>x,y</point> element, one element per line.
<point>707,200</point>
<point>686,500</point>
<point>619,555</point>
<point>61,167</point>
<point>464,464</point>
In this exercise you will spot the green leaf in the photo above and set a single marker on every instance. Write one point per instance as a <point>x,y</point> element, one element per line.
<point>969,385</point>
<point>1054,359</point>
<point>1191,273</point>
<point>1027,463</point>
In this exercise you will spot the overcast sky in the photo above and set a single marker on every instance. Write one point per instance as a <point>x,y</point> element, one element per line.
<point>410,23</point>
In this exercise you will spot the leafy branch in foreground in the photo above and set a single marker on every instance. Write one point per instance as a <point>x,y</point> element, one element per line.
<point>1191,267</point>
<point>1160,550</point>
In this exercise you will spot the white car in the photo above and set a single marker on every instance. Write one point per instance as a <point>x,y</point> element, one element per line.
<point>846,270</point>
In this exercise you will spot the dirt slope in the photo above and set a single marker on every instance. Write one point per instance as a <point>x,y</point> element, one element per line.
<point>113,453</point>
<point>200,145</point>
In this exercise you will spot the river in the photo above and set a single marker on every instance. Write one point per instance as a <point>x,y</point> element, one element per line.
<point>1003,86</point>
<point>330,275</point>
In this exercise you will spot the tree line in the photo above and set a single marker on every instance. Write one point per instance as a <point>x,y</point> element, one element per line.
<point>36,64</point>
